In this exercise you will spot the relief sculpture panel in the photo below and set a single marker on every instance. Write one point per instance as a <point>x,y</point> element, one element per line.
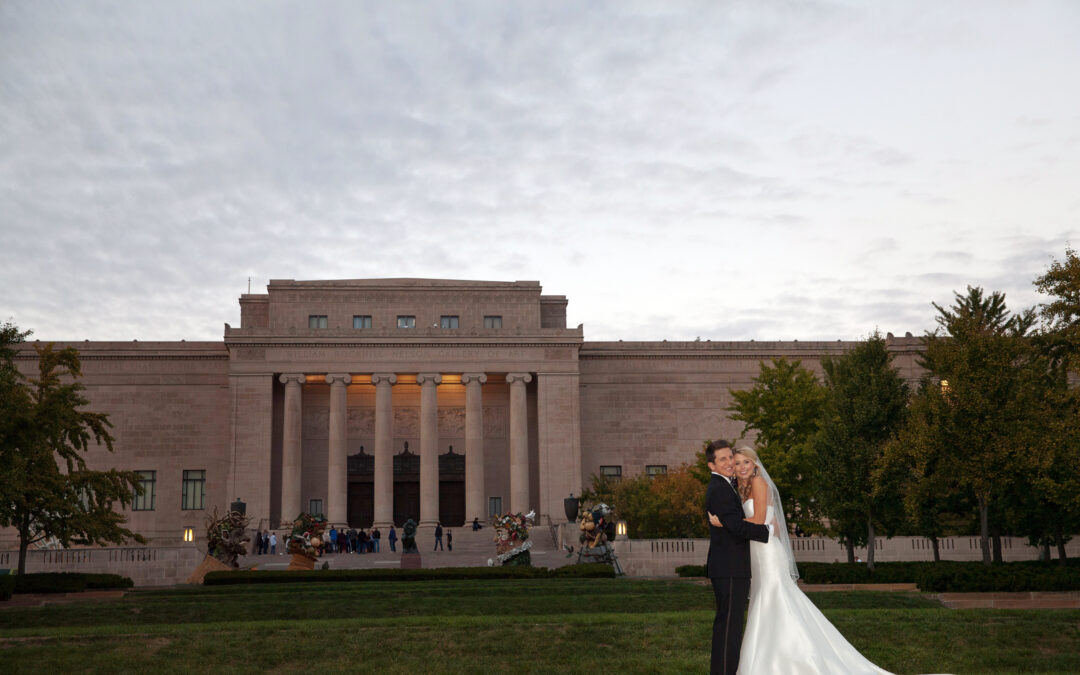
<point>496,422</point>
<point>361,422</point>
<point>452,422</point>
<point>407,422</point>
<point>316,422</point>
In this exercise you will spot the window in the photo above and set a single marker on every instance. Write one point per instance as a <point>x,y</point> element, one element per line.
<point>448,322</point>
<point>654,470</point>
<point>316,321</point>
<point>194,492</point>
<point>612,472</point>
<point>492,322</point>
<point>406,322</point>
<point>145,501</point>
<point>494,506</point>
<point>315,507</point>
<point>361,321</point>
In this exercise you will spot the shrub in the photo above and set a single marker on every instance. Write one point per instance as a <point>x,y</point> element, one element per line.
<point>67,582</point>
<point>7,586</point>
<point>690,570</point>
<point>590,570</point>
<point>50,582</point>
<point>584,571</point>
<point>976,577</point>
<point>107,581</point>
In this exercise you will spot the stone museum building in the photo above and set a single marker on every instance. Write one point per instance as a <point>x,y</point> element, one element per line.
<point>377,400</point>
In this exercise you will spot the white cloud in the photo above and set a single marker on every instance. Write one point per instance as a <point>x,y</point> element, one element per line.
<point>795,170</point>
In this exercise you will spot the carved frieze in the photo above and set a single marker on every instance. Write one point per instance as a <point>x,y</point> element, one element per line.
<point>452,422</point>
<point>406,421</point>
<point>361,422</point>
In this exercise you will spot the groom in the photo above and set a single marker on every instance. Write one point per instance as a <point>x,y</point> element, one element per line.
<point>728,564</point>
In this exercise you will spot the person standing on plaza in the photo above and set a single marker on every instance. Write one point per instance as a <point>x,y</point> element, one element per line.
<point>392,538</point>
<point>352,540</point>
<point>375,537</point>
<point>333,539</point>
<point>273,543</point>
<point>438,537</point>
<point>449,540</point>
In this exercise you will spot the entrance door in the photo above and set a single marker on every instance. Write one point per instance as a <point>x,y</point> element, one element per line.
<point>406,501</point>
<point>361,503</point>
<point>452,502</point>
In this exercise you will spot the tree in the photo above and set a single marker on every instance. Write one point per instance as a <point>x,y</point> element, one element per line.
<point>48,491</point>
<point>864,408</point>
<point>931,497</point>
<point>987,386</point>
<point>1058,482</point>
<point>665,506</point>
<point>784,407</point>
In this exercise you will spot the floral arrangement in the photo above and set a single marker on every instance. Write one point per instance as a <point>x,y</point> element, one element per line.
<point>226,536</point>
<point>597,525</point>
<point>512,538</point>
<point>306,535</point>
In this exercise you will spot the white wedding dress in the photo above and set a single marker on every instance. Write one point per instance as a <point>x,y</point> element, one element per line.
<point>785,632</point>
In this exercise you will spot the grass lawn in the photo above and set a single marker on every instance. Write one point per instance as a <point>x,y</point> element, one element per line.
<point>543,626</point>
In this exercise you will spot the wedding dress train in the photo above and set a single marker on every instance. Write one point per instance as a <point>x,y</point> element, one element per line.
<point>785,633</point>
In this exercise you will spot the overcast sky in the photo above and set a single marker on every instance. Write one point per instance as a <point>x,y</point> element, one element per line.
<point>728,170</point>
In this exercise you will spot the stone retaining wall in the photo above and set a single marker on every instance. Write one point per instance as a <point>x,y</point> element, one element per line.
<point>660,557</point>
<point>145,565</point>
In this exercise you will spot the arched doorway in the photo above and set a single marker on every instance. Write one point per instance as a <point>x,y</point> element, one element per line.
<point>452,488</point>
<point>361,505</point>
<point>406,487</point>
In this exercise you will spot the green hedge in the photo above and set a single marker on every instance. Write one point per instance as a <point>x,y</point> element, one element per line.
<point>67,582</point>
<point>589,570</point>
<point>976,577</point>
<point>7,586</point>
<point>940,577</point>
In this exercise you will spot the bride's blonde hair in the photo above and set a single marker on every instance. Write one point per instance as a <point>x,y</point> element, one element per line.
<point>746,450</point>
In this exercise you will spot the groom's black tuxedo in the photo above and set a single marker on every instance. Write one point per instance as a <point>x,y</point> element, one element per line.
<point>728,568</point>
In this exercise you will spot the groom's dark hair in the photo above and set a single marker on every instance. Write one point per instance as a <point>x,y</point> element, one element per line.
<point>712,447</point>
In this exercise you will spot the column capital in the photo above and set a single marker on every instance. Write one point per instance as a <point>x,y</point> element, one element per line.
<point>292,377</point>
<point>379,378</point>
<point>469,378</point>
<point>425,378</point>
<point>335,378</point>
<point>524,378</point>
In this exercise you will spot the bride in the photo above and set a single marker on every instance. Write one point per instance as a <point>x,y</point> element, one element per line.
<point>785,632</point>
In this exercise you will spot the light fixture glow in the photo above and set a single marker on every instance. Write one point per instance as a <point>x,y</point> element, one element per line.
<point>189,534</point>
<point>620,528</point>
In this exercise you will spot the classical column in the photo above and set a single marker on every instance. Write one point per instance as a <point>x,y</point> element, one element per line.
<point>337,465</point>
<point>519,442</point>
<point>429,448</point>
<point>474,446</point>
<point>384,449</point>
<point>290,448</point>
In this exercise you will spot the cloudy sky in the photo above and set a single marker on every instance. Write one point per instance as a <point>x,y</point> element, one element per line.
<point>728,170</point>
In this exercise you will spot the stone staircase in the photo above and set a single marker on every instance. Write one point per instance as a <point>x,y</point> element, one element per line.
<point>471,549</point>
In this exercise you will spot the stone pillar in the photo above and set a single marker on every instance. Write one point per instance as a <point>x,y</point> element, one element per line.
<point>474,447</point>
<point>384,449</point>
<point>519,442</point>
<point>337,471</point>
<point>290,448</point>
<point>429,448</point>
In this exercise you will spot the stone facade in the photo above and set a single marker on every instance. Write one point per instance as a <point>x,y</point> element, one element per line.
<point>381,399</point>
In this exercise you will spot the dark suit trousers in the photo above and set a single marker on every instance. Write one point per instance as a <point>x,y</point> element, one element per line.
<point>731,595</point>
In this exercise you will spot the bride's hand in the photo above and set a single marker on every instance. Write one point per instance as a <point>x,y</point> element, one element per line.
<point>714,521</point>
